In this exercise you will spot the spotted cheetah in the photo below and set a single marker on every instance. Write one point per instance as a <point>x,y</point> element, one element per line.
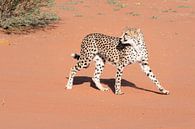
<point>120,51</point>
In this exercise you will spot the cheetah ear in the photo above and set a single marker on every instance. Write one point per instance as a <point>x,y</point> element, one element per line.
<point>122,34</point>
<point>139,30</point>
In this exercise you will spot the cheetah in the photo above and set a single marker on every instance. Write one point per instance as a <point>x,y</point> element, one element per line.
<point>121,51</point>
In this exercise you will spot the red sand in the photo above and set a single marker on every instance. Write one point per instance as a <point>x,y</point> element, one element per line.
<point>34,67</point>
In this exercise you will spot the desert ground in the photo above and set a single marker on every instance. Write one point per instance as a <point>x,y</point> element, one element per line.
<point>34,68</point>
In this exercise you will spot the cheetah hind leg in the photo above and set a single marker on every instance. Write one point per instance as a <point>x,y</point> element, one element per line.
<point>79,65</point>
<point>99,66</point>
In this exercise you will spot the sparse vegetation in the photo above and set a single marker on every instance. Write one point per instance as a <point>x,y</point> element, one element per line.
<point>117,4</point>
<point>73,2</point>
<point>133,14</point>
<point>169,11</point>
<point>183,6</point>
<point>71,5</point>
<point>20,15</point>
<point>67,8</point>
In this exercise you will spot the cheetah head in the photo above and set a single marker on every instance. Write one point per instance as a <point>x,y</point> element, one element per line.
<point>130,36</point>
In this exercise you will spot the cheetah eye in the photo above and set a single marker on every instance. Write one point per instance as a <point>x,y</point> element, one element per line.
<point>125,33</point>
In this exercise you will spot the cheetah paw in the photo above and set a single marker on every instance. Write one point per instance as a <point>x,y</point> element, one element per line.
<point>104,89</point>
<point>68,87</point>
<point>163,91</point>
<point>119,93</point>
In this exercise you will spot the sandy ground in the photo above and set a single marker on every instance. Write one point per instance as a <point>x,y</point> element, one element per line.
<point>34,67</point>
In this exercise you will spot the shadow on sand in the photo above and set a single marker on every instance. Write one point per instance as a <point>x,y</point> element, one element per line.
<point>109,82</point>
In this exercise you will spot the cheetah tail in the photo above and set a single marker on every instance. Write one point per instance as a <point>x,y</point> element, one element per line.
<point>75,56</point>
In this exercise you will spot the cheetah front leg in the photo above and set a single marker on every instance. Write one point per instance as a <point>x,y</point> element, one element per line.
<point>99,66</point>
<point>118,80</point>
<point>146,68</point>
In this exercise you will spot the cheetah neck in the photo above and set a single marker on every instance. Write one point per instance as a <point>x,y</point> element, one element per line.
<point>140,48</point>
<point>139,44</point>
